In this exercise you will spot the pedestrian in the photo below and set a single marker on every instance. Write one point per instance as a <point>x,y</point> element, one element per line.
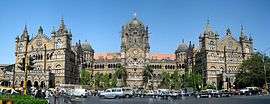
<point>56,96</point>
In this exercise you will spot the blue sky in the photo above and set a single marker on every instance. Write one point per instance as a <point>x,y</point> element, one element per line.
<point>100,21</point>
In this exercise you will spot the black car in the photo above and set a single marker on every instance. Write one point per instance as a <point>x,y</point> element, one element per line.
<point>225,93</point>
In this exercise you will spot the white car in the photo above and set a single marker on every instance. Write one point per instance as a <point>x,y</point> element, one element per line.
<point>116,93</point>
<point>79,92</point>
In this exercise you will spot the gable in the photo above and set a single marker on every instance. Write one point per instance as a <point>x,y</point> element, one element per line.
<point>230,42</point>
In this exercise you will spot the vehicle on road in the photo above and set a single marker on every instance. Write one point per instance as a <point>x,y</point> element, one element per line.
<point>226,93</point>
<point>203,94</point>
<point>163,93</point>
<point>174,94</point>
<point>79,93</point>
<point>117,93</point>
<point>248,91</point>
<point>214,93</point>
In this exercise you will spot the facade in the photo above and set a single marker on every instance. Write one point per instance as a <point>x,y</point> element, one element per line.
<point>55,62</point>
<point>135,55</point>
<point>219,58</point>
<point>58,62</point>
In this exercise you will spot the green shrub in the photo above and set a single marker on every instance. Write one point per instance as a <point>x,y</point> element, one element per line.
<point>18,99</point>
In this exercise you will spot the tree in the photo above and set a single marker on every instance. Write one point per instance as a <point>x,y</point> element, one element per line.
<point>105,80</point>
<point>97,80</point>
<point>121,73</point>
<point>113,81</point>
<point>85,77</point>
<point>147,75</point>
<point>176,79</point>
<point>165,80</point>
<point>252,71</point>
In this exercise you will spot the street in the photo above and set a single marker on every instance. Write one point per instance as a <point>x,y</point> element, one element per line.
<point>186,100</point>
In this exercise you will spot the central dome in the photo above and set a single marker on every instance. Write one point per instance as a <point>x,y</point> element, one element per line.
<point>135,22</point>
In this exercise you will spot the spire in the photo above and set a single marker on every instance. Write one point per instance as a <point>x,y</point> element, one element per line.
<point>40,30</point>
<point>228,31</point>
<point>208,26</point>
<point>135,15</point>
<point>62,24</point>
<point>190,45</point>
<point>242,31</point>
<point>183,41</point>
<point>25,30</point>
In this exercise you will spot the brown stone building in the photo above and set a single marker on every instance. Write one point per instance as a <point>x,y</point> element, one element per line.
<point>56,62</point>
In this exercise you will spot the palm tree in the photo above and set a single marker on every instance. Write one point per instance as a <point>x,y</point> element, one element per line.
<point>147,74</point>
<point>121,73</point>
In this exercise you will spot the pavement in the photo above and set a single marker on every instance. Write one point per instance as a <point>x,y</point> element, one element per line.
<point>185,100</point>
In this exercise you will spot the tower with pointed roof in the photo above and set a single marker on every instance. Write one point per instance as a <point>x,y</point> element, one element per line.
<point>135,50</point>
<point>246,44</point>
<point>181,56</point>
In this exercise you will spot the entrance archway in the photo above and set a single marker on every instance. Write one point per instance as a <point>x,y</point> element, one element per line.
<point>36,84</point>
<point>22,83</point>
<point>51,84</point>
<point>29,84</point>
<point>42,85</point>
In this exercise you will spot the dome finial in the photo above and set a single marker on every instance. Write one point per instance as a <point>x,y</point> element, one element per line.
<point>208,26</point>
<point>242,31</point>
<point>135,15</point>
<point>62,24</point>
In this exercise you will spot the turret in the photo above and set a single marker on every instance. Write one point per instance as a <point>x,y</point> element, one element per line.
<point>208,38</point>
<point>246,44</point>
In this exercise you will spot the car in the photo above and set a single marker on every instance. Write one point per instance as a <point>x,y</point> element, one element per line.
<point>214,93</point>
<point>255,90</point>
<point>185,93</point>
<point>173,94</point>
<point>140,92</point>
<point>149,93</point>
<point>128,92</point>
<point>79,93</point>
<point>225,93</point>
<point>203,94</point>
<point>163,93</point>
<point>244,91</point>
<point>117,93</point>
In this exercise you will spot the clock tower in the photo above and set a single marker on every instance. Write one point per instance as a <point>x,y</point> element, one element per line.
<point>134,51</point>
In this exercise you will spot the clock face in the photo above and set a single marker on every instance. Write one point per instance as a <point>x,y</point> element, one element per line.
<point>135,52</point>
<point>58,43</point>
<point>20,48</point>
<point>39,43</point>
